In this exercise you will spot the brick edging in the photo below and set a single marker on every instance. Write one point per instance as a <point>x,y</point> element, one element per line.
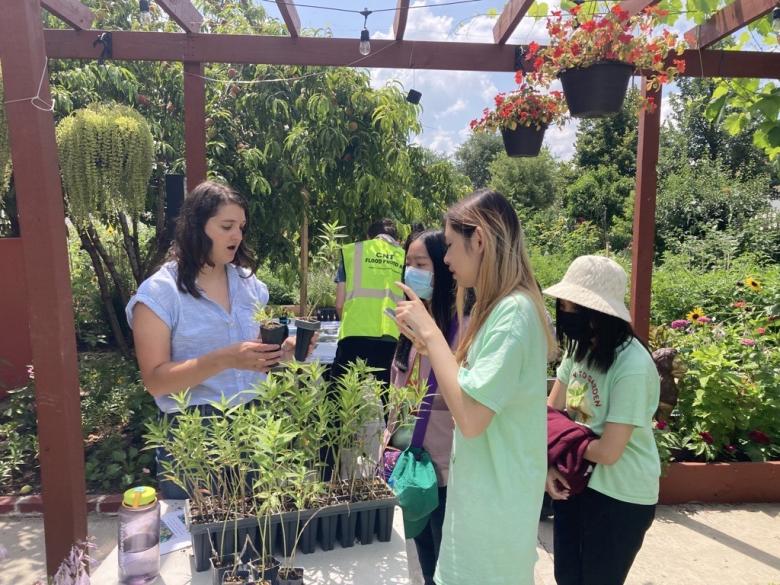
<point>33,505</point>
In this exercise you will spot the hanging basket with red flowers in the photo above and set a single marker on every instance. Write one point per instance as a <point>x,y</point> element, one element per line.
<point>523,116</point>
<point>595,56</point>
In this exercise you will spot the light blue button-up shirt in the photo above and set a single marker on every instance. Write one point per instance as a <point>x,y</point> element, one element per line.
<point>200,326</point>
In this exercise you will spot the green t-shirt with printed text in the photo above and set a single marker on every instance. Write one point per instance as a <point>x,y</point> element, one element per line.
<point>628,394</point>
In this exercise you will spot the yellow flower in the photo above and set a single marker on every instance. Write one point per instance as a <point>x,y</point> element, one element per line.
<point>753,284</point>
<point>695,314</point>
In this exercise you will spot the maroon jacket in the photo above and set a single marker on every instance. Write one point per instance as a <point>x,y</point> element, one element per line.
<point>566,444</point>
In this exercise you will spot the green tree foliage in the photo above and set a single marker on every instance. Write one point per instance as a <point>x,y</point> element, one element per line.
<point>690,134</point>
<point>609,141</point>
<point>529,183</point>
<point>473,157</point>
<point>599,195</point>
<point>702,198</point>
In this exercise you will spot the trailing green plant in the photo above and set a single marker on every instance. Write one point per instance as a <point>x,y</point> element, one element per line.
<point>5,146</point>
<point>106,155</point>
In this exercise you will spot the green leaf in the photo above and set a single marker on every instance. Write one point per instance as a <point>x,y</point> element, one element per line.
<point>734,123</point>
<point>538,10</point>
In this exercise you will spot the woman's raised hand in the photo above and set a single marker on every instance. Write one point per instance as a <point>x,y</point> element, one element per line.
<point>414,321</point>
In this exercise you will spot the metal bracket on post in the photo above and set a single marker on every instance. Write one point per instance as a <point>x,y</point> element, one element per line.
<point>106,40</point>
<point>520,61</point>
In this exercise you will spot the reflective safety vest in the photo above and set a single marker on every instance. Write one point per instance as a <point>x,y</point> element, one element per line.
<point>372,267</point>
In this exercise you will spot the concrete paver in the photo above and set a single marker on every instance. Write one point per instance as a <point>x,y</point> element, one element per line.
<point>687,545</point>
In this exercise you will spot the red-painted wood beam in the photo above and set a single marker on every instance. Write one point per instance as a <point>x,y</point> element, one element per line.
<point>726,21</point>
<point>636,6</point>
<point>217,48</point>
<point>401,15</point>
<point>50,300</point>
<point>194,123</point>
<point>643,242</point>
<point>72,12</point>
<point>290,16</point>
<point>184,13</point>
<point>510,17</point>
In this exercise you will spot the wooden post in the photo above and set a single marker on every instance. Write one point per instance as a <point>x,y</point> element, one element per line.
<point>194,123</point>
<point>50,301</point>
<point>304,253</point>
<point>643,244</point>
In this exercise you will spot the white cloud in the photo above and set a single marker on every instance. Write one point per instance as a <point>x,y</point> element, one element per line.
<point>560,141</point>
<point>459,105</point>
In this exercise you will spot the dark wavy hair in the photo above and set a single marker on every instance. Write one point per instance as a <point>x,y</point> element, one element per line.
<point>191,246</point>
<point>599,345</point>
<point>442,303</point>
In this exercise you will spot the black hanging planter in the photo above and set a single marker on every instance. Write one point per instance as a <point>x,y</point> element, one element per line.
<point>523,140</point>
<point>596,91</point>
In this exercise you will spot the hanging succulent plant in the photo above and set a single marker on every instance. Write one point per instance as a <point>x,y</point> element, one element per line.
<point>5,148</point>
<point>106,155</point>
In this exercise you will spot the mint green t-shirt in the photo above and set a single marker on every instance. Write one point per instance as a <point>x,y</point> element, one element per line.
<point>628,393</point>
<point>496,480</point>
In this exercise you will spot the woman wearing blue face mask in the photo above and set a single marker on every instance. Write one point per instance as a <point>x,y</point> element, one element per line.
<point>428,276</point>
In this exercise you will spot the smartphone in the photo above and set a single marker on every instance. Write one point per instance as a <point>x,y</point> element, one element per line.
<point>391,313</point>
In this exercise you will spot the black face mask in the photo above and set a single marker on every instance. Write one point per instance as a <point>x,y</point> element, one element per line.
<point>574,325</point>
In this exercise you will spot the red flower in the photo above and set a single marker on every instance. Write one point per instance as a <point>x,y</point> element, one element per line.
<point>758,437</point>
<point>621,13</point>
<point>499,99</point>
<point>574,10</point>
<point>706,437</point>
<point>661,424</point>
<point>588,26</point>
<point>680,64</point>
<point>519,76</point>
<point>738,304</point>
<point>625,38</point>
<point>533,46</point>
<point>472,124</point>
<point>538,62</point>
<point>761,330</point>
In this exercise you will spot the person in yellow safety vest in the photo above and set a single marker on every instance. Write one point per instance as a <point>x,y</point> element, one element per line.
<point>365,287</point>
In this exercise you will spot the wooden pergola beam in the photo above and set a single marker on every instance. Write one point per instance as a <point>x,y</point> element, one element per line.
<point>636,6</point>
<point>50,299</point>
<point>726,21</point>
<point>184,13</point>
<point>72,12</point>
<point>290,16</point>
<point>217,48</point>
<point>510,17</point>
<point>401,15</point>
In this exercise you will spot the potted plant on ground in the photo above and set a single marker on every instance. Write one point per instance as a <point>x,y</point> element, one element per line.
<point>523,116</point>
<point>595,55</point>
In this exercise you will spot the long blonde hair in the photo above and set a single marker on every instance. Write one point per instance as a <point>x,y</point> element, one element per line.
<point>505,267</point>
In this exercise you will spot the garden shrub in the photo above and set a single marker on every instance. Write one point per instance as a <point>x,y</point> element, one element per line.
<point>729,397</point>
<point>114,409</point>
<point>680,284</point>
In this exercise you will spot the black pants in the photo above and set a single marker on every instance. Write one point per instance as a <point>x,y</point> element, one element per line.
<point>377,352</point>
<point>429,540</point>
<point>596,538</point>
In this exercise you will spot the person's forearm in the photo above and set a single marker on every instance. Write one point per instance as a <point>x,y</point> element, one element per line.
<point>174,377</point>
<point>600,452</point>
<point>462,407</point>
<point>557,397</point>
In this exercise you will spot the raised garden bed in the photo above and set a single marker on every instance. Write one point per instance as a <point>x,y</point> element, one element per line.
<point>721,483</point>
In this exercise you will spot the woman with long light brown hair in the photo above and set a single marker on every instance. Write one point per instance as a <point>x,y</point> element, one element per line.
<point>494,386</point>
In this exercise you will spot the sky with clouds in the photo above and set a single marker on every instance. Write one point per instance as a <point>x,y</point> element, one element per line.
<point>450,99</point>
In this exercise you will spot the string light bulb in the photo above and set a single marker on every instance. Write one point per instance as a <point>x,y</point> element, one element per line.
<point>365,41</point>
<point>144,15</point>
<point>776,19</point>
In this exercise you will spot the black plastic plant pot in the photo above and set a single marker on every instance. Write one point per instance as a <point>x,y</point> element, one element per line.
<point>366,525</point>
<point>224,565</point>
<point>303,334</point>
<point>523,140</point>
<point>292,576</point>
<point>326,532</point>
<point>270,572</point>
<point>384,523</point>
<point>596,91</point>
<point>273,333</point>
<point>346,531</point>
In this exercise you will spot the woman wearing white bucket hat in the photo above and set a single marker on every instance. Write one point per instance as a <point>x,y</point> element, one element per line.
<point>608,382</point>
